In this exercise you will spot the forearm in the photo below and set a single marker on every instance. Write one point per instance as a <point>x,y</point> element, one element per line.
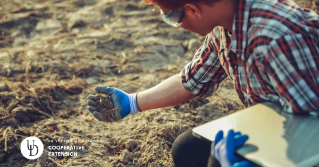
<point>168,93</point>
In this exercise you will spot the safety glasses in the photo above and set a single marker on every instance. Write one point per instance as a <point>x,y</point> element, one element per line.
<point>173,17</point>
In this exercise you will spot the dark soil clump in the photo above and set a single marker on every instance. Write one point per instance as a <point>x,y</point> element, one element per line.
<point>107,109</point>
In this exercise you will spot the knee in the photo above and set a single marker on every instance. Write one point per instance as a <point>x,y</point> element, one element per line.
<point>190,151</point>
<point>179,146</point>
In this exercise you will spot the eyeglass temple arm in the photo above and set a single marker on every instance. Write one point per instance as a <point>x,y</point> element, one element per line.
<point>168,13</point>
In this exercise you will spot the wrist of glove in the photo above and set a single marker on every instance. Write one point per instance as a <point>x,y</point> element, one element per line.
<point>133,103</point>
<point>124,103</point>
<point>223,149</point>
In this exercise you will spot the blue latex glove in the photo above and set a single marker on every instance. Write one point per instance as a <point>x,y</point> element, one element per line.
<point>223,149</point>
<point>121,102</point>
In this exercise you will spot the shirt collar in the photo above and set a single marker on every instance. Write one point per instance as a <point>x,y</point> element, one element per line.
<point>240,26</point>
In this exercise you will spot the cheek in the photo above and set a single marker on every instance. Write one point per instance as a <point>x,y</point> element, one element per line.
<point>195,26</point>
<point>183,25</point>
<point>194,29</point>
<point>187,26</point>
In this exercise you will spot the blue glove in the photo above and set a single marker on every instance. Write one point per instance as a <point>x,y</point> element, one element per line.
<point>223,149</point>
<point>123,102</point>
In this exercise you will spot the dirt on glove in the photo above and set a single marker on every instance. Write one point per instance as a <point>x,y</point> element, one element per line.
<point>106,108</point>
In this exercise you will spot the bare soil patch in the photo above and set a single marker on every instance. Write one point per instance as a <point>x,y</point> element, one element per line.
<point>53,53</point>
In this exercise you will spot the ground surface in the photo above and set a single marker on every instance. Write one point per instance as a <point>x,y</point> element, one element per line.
<point>53,53</point>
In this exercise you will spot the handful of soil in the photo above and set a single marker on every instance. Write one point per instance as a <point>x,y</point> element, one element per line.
<point>106,109</point>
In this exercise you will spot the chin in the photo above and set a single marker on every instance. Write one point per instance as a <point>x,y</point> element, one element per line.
<point>199,32</point>
<point>202,33</point>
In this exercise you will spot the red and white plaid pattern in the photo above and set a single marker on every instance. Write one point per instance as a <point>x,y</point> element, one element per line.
<point>272,55</point>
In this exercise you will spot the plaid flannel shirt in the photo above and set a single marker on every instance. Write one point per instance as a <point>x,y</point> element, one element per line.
<point>271,56</point>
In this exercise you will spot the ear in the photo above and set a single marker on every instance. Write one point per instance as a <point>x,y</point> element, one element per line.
<point>192,10</point>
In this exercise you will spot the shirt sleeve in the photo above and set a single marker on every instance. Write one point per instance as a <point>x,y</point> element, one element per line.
<point>292,63</point>
<point>204,73</point>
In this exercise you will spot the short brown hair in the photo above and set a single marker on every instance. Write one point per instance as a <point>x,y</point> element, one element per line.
<point>175,4</point>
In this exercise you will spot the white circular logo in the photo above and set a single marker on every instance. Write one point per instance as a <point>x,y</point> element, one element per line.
<point>31,147</point>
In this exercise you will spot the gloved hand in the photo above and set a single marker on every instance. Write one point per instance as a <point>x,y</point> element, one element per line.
<point>123,102</point>
<point>223,149</point>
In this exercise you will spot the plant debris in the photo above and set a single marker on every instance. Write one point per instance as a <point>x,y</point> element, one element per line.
<point>53,53</point>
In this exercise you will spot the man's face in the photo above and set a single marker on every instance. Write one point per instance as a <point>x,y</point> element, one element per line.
<point>189,22</point>
<point>202,18</point>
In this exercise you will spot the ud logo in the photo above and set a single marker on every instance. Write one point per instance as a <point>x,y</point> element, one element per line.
<point>31,147</point>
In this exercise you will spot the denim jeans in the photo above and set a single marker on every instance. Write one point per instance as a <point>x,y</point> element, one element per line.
<point>190,151</point>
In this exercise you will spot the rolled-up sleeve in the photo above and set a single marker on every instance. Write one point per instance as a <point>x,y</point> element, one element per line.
<point>204,73</point>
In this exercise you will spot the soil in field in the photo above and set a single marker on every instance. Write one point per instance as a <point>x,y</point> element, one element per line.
<point>54,52</point>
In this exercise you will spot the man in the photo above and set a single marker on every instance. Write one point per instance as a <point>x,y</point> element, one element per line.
<point>268,48</point>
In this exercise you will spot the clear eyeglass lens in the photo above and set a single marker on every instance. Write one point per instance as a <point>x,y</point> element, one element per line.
<point>171,19</point>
